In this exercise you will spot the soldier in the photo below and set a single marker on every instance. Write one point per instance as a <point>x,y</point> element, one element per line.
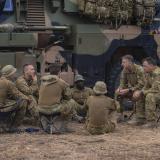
<point>80,93</point>
<point>12,102</point>
<point>100,108</point>
<point>149,95</point>
<point>55,99</point>
<point>130,81</point>
<point>27,84</point>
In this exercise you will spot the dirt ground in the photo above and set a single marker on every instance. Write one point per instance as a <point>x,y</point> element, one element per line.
<point>125,143</point>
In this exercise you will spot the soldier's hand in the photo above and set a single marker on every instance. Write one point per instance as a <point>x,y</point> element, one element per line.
<point>34,77</point>
<point>118,91</point>
<point>137,95</point>
<point>123,91</point>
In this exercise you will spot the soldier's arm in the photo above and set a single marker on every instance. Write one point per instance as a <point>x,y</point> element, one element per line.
<point>113,105</point>
<point>86,106</point>
<point>140,81</point>
<point>154,89</point>
<point>35,89</point>
<point>66,90</point>
<point>23,87</point>
<point>15,92</point>
<point>67,93</point>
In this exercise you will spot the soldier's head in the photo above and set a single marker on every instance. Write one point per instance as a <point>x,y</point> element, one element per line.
<point>29,71</point>
<point>149,64</point>
<point>79,82</point>
<point>54,68</point>
<point>9,71</point>
<point>127,62</point>
<point>100,88</point>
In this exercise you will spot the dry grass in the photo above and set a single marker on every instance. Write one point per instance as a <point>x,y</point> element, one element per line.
<point>125,143</point>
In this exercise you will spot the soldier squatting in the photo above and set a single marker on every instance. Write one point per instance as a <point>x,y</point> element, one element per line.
<point>24,97</point>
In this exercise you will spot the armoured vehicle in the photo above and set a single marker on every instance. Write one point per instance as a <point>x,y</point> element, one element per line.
<point>90,35</point>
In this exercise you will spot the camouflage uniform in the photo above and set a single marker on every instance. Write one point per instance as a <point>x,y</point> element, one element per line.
<point>100,108</point>
<point>80,97</point>
<point>151,95</point>
<point>12,102</point>
<point>132,80</point>
<point>30,89</point>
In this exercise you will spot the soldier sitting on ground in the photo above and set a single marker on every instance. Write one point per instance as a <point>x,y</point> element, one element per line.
<point>27,84</point>
<point>55,99</point>
<point>99,109</point>
<point>80,93</point>
<point>131,80</point>
<point>12,102</point>
<point>149,96</point>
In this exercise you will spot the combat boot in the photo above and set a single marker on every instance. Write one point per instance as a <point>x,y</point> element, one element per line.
<point>121,118</point>
<point>137,121</point>
<point>78,118</point>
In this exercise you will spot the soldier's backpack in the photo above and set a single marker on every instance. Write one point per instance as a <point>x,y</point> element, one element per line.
<point>144,10</point>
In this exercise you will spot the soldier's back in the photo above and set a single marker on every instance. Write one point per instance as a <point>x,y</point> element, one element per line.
<point>98,109</point>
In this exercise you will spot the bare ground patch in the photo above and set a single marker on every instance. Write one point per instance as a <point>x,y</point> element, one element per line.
<point>133,143</point>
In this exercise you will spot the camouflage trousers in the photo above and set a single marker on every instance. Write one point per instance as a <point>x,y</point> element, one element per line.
<point>146,106</point>
<point>80,109</point>
<point>12,115</point>
<point>108,127</point>
<point>65,108</point>
<point>32,110</point>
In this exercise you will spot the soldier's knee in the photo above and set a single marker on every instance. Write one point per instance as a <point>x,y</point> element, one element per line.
<point>149,97</point>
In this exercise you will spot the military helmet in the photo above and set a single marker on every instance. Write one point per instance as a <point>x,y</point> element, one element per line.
<point>78,77</point>
<point>100,88</point>
<point>8,70</point>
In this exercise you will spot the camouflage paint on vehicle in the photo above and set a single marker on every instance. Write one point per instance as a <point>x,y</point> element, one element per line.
<point>91,36</point>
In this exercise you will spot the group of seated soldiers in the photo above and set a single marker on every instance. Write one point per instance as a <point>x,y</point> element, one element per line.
<point>54,97</point>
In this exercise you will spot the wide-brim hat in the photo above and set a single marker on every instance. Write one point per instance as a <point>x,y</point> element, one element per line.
<point>100,88</point>
<point>8,70</point>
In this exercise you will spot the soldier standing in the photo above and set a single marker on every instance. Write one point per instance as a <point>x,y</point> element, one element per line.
<point>149,96</point>
<point>99,109</point>
<point>27,84</point>
<point>12,102</point>
<point>80,93</point>
<point>131,80</point>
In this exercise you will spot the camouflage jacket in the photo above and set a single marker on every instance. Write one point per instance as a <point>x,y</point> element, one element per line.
<point>80,96</point>
<point>27,88</point>
<point>134,79</point>
<point>152,82</point>
<point>9,93</point>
